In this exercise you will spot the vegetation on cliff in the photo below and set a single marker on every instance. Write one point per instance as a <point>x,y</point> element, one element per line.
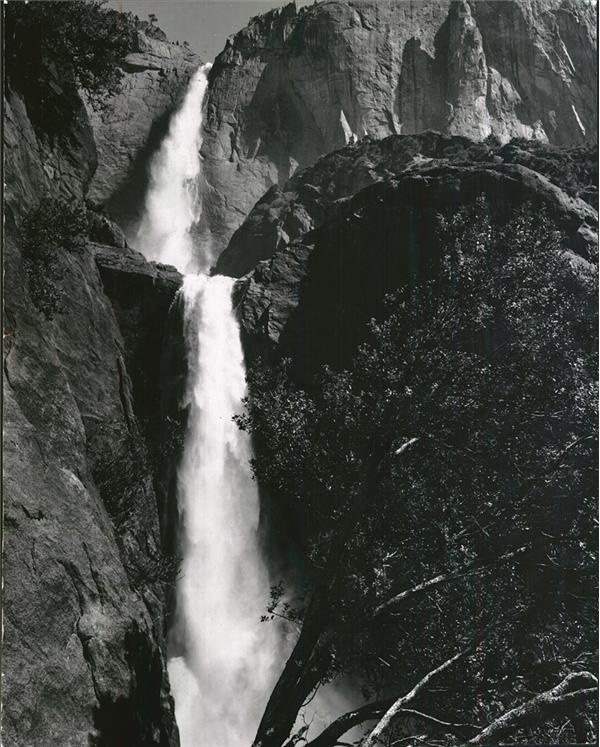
<point>446,487</point>
<point>53,227</point>
<point>56,43</point>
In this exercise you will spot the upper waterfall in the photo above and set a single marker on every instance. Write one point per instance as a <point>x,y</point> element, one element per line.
<point>172,204</point>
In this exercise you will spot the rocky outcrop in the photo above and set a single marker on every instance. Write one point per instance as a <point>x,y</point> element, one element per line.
<point>320,289</point>
<point>314,194</point>
<point>133,123</point>
<point>150,317</point>
<point>39,161</point>
<point>296,84</point>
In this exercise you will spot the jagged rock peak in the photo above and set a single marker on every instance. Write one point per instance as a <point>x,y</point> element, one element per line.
<point>267,31</point>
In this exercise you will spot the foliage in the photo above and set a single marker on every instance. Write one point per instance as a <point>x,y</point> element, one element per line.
<point>573,168</point>
<point>121,475</point>
<point>56,44</point>
<point>49,230</point>
<point>477,392</point>
<point>158,568</point>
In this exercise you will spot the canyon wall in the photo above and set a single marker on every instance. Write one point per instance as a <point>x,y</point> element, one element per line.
<point>88,564</point>
<point>295,84</point>
<point>130,129</point>
<point>319,256</point>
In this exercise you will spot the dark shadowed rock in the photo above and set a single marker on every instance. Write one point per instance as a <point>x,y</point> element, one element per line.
<point>150,317</point>
<point>311,299</point>
<point>85,515</point>
<point>105,231</point>
<point>310,196</point>
<point>84,651</point>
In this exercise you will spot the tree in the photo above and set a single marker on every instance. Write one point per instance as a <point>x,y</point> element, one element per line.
<point>445,486</point>
<point>51,46</point>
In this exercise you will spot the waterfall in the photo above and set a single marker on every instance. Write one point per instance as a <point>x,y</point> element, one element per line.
<point>222,681</point>
<point>222,659</point>
<point>172,204</point>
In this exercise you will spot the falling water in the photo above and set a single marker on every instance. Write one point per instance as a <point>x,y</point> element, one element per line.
<point>222,658</point>
<point>172,203</point>
<point>222,681</point>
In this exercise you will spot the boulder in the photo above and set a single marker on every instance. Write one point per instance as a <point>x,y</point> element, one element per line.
<point>311,299</point>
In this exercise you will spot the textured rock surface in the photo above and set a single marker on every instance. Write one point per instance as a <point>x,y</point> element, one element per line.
<point>38,162</point>
<point>83,621</point>
<point>84,607</point>
<point>294,85</point>
<point>150,318</point>
<point>91,396</point>
<point>310,196</point>
<point>131,128</point>
<point>311,299</point>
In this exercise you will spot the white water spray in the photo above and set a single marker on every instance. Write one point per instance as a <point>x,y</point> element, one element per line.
<point>223,660</point>
<point>172,203</point>
<point>224,677</point>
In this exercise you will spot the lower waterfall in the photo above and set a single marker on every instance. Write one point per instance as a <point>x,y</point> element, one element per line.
<point>222,680</point>
<point>222,659</point>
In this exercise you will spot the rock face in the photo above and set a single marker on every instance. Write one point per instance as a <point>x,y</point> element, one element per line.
<point>128,131</point>
<point>93,419</point>
<point>39,162</point>
<point>87,561</point>
<point>294,85</point>
<point>315,194</point>
<point>328,256</point>
<point>84,658</point>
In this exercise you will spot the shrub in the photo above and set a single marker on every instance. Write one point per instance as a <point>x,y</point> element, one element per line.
<point>159,568</point>
<point>121,475</point>
<point>55,226</point>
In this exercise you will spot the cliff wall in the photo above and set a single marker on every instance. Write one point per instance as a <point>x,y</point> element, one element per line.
<point>88,559</point>
<point>295,84</point>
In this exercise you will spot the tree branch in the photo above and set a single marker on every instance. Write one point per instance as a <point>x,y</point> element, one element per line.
<point>566,697</point>
<point>398,705</point>
<point>448,725</point>
<point>329,737</point>
<point>299,676</point>
<point>468,570</point>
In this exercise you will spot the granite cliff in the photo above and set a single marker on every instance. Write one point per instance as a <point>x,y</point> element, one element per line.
<point>128,131</point>
<point>295,84</point>
<point>88,559</point>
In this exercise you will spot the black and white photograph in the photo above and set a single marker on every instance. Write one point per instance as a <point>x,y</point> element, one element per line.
<point>300,373</point>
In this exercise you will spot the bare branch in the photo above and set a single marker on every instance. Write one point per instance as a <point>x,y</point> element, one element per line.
<point>371,711</point>
<point>406,445</point>
<point>449,725</point>
<point>399,704</point>
<point>469,570</point>
<point>567,696</point>
<point>330,735</point>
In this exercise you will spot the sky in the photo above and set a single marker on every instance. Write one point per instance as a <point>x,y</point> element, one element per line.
<point>204,24</point>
